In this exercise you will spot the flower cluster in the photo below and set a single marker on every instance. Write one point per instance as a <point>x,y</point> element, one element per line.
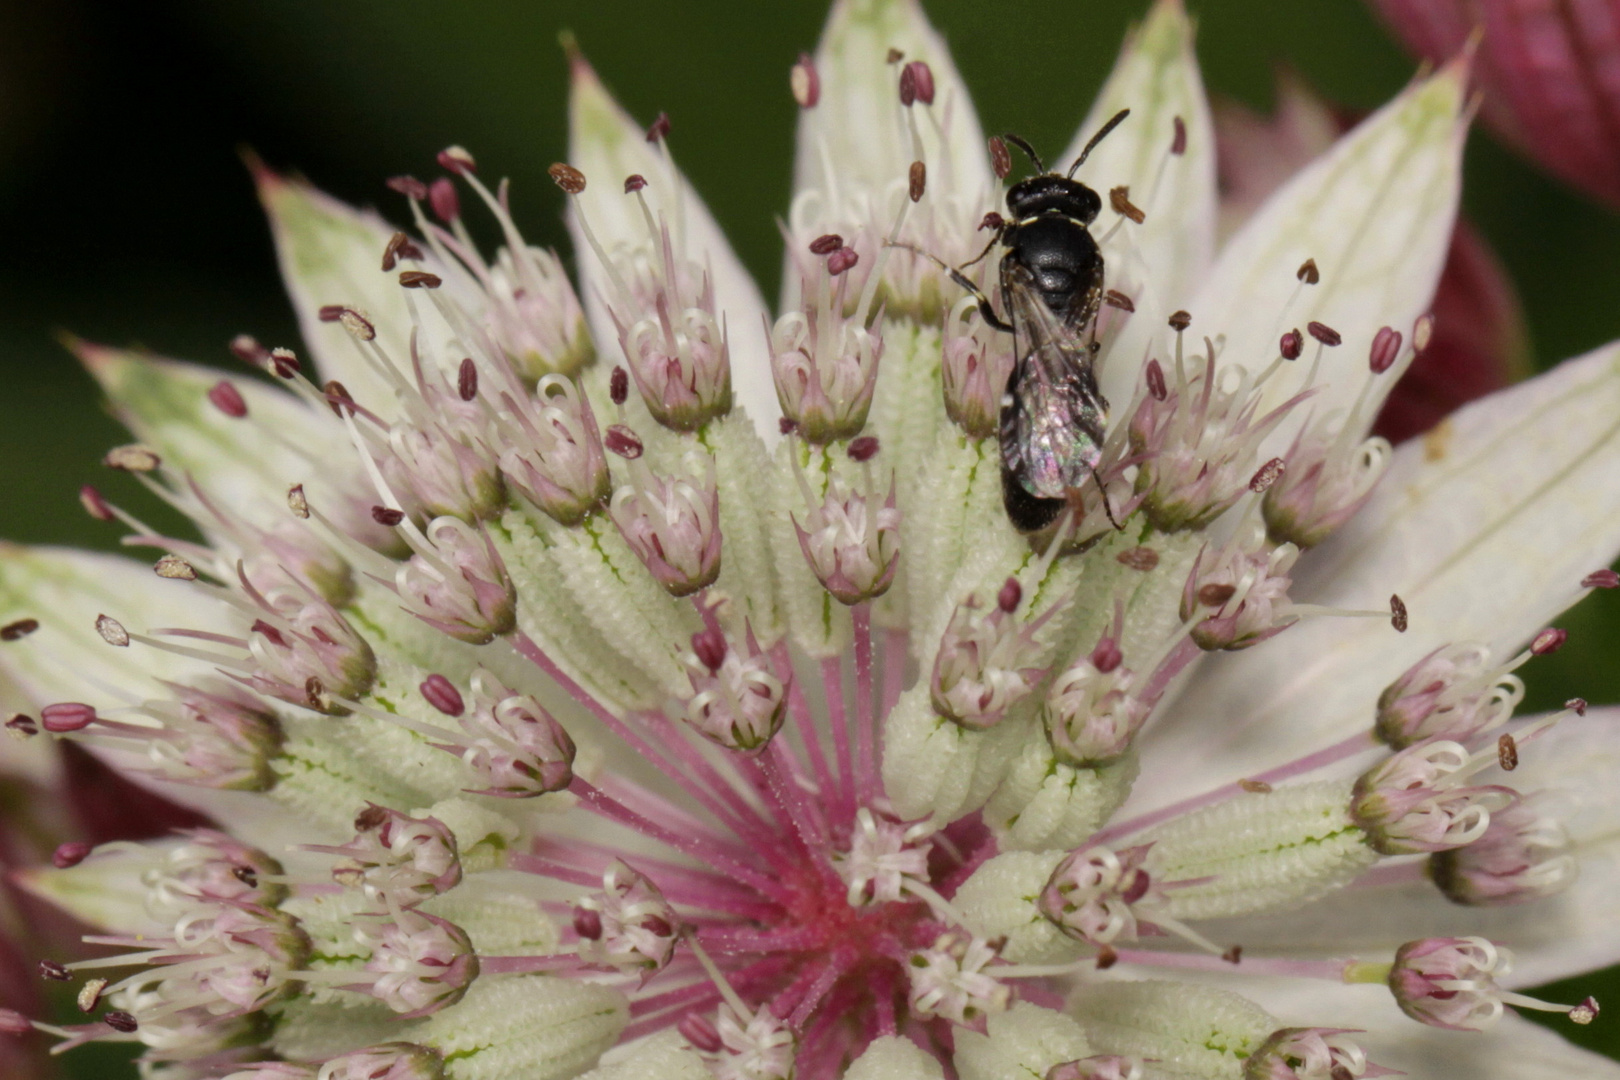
<point>649,686</point>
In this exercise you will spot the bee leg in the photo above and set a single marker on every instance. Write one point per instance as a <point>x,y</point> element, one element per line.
<point>994,240</point>
<point>985,308</point>
<point>1107,506</point>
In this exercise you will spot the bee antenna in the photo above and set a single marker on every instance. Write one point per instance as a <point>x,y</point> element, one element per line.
<point>1017,141</point>
<point>1119,118</point>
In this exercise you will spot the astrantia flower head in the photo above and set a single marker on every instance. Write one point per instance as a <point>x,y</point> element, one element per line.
<point>652,684</point>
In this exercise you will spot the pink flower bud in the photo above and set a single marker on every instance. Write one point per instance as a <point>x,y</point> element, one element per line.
<point>70,854</point>
<point>1306,1054</point>
<point>1091,893</point>
<point>397,859</point>
<point>1386,349</point>
<point>444,200</point>
<point>420,963</point>
<point>228,399</point>
<point>1524,855</point>
<point>1453,693</point>
<point>639,928</point>
<point>459,585</point>
<point>517,749</point>
<point>442,694</point>
<point>1419,801</point>
<point>672,523</point>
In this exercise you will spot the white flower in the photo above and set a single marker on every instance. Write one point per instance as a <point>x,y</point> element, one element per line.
<point>765,746</point>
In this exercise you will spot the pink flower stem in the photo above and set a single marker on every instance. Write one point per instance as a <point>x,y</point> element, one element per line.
<point>1184,653</point>
<point>802,716</point>
<point>669,998</point>
<point>731,940</point>
<point>832,679</point>
<point>866,723</point>
<point>883,994</point>
<point>1399,873</point>
<point>785,789</point>
<point>537,656</point>
<point>593,798</point>
<point>691,891</point>
<point>534,864</point>
<point>1355,744</point>
<point>744,820</point>
<point>813,984</point>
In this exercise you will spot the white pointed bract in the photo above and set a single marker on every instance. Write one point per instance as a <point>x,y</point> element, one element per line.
<point>739,726</point>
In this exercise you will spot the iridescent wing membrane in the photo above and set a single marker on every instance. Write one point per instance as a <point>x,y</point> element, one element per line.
<point>1053,417</point>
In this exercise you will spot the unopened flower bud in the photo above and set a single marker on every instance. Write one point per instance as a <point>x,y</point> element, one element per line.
<point>974,366</point>
<point>1524,855</point>
<point>421,963</point>
<point>1450,983</point>
<point>1091,714</point>
<point>1327,480</point>
<point>987,662</point>
<point>1198,445</point>
<point>1306,1054</point>
<point>517,748</point>
<point>400,859</point>
<point>1091,894</point>
<point>1453,693</point>
<point>852,542</point>
<point>825,364</point>
<point>672,523</point>
<point>673,338</point>
<point>737,699</point>
<point>459,586</point>
<point>1245,587</point>
<point>554,453</point>
<point>639,928</point>
<point>1418,800</point>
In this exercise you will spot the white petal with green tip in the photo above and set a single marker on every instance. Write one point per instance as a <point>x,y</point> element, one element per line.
<point>608,146</point>
<point>331,253</point>
<point>1161,261</point>
<point>1375,213</point>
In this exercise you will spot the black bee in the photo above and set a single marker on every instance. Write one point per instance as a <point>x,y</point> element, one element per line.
<point>1053,417</point>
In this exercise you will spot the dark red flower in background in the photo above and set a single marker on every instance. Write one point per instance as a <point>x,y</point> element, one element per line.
<point>1549,70</point>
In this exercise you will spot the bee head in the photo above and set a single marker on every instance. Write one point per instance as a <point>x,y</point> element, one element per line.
<point>1052,193</point>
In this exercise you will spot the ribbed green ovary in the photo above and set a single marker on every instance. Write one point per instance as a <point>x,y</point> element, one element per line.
<point>1263,852</point>
<point>1188,1031</point>
<point>1045,804</point>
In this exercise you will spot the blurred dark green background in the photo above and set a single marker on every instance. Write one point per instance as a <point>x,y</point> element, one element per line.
<point>126,215</point>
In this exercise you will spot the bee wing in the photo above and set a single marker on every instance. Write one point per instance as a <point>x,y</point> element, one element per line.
<point>1053,418</point>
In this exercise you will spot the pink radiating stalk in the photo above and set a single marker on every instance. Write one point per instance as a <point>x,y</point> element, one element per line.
<point>868,785</point>
<point>832,677</point>
<point>1550,72</point>
<point>803,717</point>
<point>532,652</point>
<point>593,798</point>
